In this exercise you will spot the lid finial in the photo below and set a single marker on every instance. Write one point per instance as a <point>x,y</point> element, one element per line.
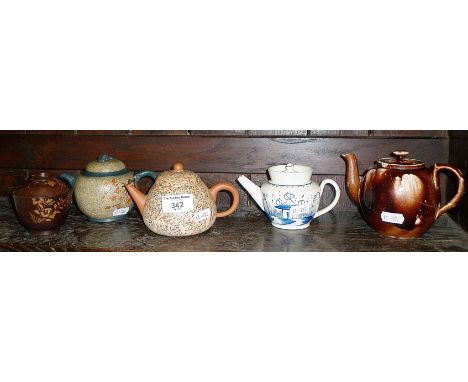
<point>289,167</point>
<point>104,158</point>
<point>178,167</point>
<point>105,165</point>
<point>400,161</point>
<point>400,155</point>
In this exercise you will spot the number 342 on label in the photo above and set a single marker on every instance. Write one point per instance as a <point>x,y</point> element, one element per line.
<point>177,203</point>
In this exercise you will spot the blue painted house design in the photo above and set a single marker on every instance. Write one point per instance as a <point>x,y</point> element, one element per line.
<point>290,209</point>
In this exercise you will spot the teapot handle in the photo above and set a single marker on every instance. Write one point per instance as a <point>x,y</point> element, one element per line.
<point>143,174</point>
<point>225,186</point>
<point>461,185</point>
<point>334,201</point>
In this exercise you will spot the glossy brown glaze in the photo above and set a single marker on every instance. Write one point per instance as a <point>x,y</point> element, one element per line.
<point>401,199</point>
<point>412,196</point>
<point>460,190</point>
<point>42,205</point>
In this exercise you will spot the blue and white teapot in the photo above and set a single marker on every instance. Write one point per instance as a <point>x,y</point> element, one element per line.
<point>290,198</point>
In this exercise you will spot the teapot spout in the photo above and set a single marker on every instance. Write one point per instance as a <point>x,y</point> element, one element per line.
<point>353,183</point>
<point>253,190</point>
<point>138,197</point>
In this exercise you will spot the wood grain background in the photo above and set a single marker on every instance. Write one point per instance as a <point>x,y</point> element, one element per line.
<point>214,154</point>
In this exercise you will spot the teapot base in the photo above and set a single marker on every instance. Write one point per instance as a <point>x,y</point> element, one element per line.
<point>289,226</point>
<point>44,233</point>
<point>107,220</point>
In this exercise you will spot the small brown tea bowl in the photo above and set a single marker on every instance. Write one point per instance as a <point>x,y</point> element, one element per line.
<point>42,205</point>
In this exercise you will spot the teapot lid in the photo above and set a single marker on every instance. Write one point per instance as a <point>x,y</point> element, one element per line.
<point>105,165</point>
<point>290,175</point>
<point>178,178</point>
<point>178,171</point>
<point>400,162</point>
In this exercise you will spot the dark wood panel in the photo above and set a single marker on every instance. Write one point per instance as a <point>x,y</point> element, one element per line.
<point>461,134</point>
<point>133,132</point>
<point>12,131</point>
<point>459,158</point>
<point>272,133</point>
<point>266,133</point>
<point>253,133</point>
<point>409,133</point>
<point>59,132</point>
<point>224,199</point>
<point>208,154</point>
<point>338,133</point>
<point>53,172</point>
<point>313,133</point>
<point>11,179</point>
<point>103,132</point>
<point>217,132</point>
<point>159,132</point>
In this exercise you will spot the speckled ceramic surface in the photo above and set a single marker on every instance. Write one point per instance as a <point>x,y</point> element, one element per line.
<point>103,197</point>
<point>180,204</point>
<point>100,191</point>
<point>105,163</point>
<point>182,191</point>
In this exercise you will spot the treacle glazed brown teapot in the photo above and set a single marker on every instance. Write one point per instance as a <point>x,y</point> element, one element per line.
<point>400,197</point>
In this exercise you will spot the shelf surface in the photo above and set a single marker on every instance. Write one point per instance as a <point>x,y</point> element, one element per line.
<point>338,231</point>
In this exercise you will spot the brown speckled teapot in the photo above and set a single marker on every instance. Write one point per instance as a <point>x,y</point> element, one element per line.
<point>399,197</point>
<point>180,204</point>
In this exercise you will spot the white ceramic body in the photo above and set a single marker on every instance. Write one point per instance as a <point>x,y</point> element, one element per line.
<point>293,207</point>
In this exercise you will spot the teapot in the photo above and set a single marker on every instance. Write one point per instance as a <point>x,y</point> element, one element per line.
<point>42,205</point>
<point>399,197</point>
<point>99,189</point>
<point>180,204</point>
<point>290,198</point>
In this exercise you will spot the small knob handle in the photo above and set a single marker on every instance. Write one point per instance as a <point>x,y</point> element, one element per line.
<point>289,167</point>
<point>104,158</point>
<point>178,167</point>
<point>400,154</point>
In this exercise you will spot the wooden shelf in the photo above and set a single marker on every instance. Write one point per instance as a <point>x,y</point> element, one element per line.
<point>336,231</point>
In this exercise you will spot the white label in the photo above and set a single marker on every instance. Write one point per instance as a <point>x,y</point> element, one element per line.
<point>391,217</point>
<point>296,210</point>
<point>120,211</point>
<point>202,215</point>
<point>177,203</point>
